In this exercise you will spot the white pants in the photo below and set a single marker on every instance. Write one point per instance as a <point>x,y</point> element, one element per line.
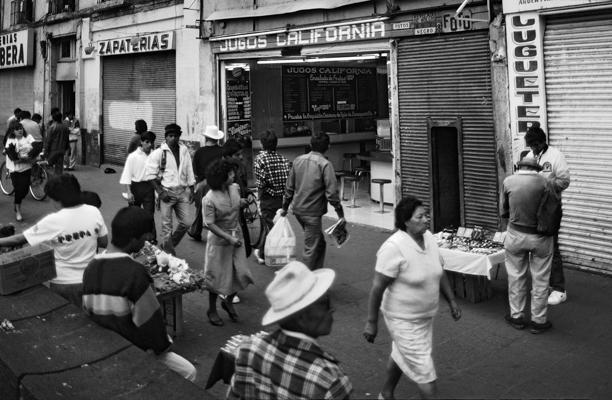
<point>178,364</point>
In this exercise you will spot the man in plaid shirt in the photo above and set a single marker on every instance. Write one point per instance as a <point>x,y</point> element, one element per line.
<point>289,363</point>
<point>271,170</point>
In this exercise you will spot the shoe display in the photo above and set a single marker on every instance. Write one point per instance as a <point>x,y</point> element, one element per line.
<point>556,297</point>
<point>516,323</point>
<point>256,253</point>
<point>539,328</point>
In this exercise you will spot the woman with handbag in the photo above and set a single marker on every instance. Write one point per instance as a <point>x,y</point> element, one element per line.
<point>18,162</point>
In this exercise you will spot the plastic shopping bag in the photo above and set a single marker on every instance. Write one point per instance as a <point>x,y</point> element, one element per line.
<point>280,244</point>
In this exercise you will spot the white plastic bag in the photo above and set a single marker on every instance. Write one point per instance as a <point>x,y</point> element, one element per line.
<point>280,244</point>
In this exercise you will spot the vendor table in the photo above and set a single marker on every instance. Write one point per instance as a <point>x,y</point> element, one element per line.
<point>172,309</point>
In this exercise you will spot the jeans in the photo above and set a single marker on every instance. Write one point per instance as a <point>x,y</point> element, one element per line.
<point>533,252</point>
<point>268,206</point>
<point>557,278</point>
<point>314,241</point>
<point>71,154</point>
<point>144,196</point>
<point>179,203</point>
<point>178,364</point>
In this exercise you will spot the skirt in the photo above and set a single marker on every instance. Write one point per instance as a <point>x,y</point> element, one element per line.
<point>412,346</point>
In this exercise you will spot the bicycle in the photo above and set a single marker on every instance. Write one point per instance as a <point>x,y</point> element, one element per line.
<point>257,228</point>
<point>38,179</point>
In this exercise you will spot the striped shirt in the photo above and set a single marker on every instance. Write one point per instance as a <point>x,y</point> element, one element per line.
<point>271,170</point>
<point>283,366</point>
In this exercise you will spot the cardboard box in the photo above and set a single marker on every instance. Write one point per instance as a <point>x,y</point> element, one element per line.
<point>26,267</point>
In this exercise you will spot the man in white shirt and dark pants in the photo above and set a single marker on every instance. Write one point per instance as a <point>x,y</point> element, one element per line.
<point>140,191</point>
<point>170,170</point>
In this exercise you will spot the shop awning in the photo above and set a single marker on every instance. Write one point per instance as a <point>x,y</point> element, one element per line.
<point>280,9</point>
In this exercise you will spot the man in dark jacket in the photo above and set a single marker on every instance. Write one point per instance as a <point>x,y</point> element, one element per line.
<point>57,143</point>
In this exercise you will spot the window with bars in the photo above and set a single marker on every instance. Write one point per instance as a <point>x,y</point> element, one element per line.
<point>60,6</point>
<point>21,12</point>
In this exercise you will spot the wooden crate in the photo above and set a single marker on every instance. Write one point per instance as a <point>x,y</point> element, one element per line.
<point>26,267</point>
<point>474,288</point>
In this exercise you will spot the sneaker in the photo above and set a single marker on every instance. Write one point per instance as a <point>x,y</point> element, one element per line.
<point>539,328</point>
<point>516,323</point>
<point>556,297</point>
<point>259,259</point>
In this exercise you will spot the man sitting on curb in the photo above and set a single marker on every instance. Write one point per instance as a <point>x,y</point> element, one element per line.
<point>288,363</point>
<point>117,291</point>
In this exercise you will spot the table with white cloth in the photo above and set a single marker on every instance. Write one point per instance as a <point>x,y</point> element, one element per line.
<point>469,273</point>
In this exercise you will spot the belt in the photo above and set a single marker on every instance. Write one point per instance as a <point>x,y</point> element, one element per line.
<point>524,229</point>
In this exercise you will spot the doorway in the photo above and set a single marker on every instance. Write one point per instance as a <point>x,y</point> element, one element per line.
<point>67,97</point>
<point>446,176</point>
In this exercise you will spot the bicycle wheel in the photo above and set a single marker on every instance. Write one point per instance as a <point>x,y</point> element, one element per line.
<point>253,220</point>
<point>37,182</point>
<point>6,184</point>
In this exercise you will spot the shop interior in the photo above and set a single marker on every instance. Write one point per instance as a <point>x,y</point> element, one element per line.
<point>346,96</point>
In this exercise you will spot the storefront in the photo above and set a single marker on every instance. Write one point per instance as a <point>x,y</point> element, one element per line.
<point>446,128</point>
<point>16,72</point>
<point>138,82</point>
<point>560,63</point>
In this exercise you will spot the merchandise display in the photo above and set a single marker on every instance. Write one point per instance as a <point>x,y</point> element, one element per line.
<point>476,240</point>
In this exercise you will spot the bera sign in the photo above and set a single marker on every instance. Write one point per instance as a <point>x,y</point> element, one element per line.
<point>16,49</point>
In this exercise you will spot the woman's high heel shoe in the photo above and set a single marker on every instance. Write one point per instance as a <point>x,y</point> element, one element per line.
<point>230,312</point>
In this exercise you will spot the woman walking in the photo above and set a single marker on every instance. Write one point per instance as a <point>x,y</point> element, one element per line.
<point>225,266</point>
<point>18,162</point>
<point>406,287</point>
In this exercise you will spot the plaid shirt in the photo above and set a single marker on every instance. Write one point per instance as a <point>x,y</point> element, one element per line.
<point>278,366</point>
<point>271,170</point>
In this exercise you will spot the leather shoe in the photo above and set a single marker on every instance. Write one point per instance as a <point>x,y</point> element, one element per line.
<point>214,319</point>
<point>230,312</point>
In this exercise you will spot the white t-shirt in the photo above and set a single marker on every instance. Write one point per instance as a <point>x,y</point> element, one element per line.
<point>134,170</point>
<point>415,292</point>
<point>73,233</point>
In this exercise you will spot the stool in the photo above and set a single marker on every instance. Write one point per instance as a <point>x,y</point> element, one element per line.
<point>381,183</point>
<point>360,172</point>
<point>348,157</point>
<point>353,179</point>
<point>340,175</point>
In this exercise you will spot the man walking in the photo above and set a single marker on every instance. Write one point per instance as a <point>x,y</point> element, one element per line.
<point>271,171</point>
<point>555,169</point>
<point>202,159</point>
<point>310,185</point>
<point>140,192</point>
<point>169,169</point>
<point>57,143</point>
<point>289,363</point>
<point>526,249</point>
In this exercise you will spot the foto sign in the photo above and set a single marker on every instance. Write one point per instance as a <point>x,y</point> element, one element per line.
<point>17,49</point>
<point>160,41</point>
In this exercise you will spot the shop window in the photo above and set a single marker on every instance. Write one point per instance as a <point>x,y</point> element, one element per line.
<point>21,12</point>
<point>60,6</point>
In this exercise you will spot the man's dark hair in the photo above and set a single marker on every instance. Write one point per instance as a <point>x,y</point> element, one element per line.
<point>148,136</point>
<point>217,173</point>
<point>269,141</point>
<point>172,128</point>
<point>56,116</point>
<point>231,147</point>
<point>64,188</point>
<point>319,142</point>
<point>91,198</point>
<point>36,117</point>
<point>535,135</point>
<point>16,112</point>
<point>404,210</point>
<point>141,126</point>
<point>25,114</point>
<point>130,223</point>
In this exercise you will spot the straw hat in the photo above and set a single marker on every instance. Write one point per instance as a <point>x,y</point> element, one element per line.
<point>213,132</point>
<point>294,288</point>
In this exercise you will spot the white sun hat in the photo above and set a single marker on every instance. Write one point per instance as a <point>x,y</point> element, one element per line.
<point>294,288</point>
<point>213,132</point>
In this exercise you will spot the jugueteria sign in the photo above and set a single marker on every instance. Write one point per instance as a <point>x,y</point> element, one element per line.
<point>154,42</point>
<point>16,49</point>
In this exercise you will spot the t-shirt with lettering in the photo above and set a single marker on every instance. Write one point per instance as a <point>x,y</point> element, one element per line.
<point>73,233</point>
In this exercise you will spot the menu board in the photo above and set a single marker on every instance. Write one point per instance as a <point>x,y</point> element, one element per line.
<point>238,100</point>
<point>328,92</point>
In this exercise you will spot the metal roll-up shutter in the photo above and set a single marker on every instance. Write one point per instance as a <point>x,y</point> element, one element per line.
<point>445,77</point>
<point>141,86</point>
<point>578,70</point>
<point>16,88</point>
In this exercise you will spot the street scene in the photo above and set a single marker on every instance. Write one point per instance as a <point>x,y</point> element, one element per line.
<point>305,200</point>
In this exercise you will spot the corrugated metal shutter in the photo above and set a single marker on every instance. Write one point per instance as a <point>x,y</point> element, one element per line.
<point>578,68</point>
<point>141,86</point>
<point>16,88</point>
<point>445,77</point>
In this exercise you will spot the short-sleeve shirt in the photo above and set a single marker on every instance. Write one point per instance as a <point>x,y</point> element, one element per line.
<point>22,146</point>
<point>221,208</point>
<point>415,291</point>
<point>73,233</point>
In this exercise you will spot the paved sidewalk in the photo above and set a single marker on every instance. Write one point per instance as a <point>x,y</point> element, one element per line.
<point>478,357</point>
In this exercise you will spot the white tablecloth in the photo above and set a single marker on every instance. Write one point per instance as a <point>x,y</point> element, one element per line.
<point>470,263</point>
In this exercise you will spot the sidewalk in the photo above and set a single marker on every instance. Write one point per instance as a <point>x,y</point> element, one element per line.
<point>478,357</point>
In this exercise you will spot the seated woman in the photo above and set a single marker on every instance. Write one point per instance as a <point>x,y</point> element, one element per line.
<point>75,232</point>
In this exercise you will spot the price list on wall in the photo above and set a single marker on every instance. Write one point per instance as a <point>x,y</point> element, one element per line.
<point>238,99</point>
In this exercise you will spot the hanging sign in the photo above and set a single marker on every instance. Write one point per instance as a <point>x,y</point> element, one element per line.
<point>17,49</point>
<point>160,41</point>
<point>513,6</point>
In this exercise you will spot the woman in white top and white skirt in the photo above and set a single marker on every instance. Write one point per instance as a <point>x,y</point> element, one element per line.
<point>406,287</point>
<point>18,162</point>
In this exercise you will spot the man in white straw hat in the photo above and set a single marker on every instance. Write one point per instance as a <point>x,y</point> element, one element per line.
<point>202,159</point>
<point>288,363</point>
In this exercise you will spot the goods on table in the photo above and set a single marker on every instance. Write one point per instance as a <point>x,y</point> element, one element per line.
<point>475,240</point>
<point>169,273</point>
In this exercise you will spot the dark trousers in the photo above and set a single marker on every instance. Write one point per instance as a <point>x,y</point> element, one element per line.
<point>557,279</point>
<point>268,206</point>
<point>196,227</point>
<point>144,196</point>
<point>21,183</point>
<point>314,241</point>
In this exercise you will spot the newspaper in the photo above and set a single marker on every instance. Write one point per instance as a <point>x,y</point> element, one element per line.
<point>338,233</point>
